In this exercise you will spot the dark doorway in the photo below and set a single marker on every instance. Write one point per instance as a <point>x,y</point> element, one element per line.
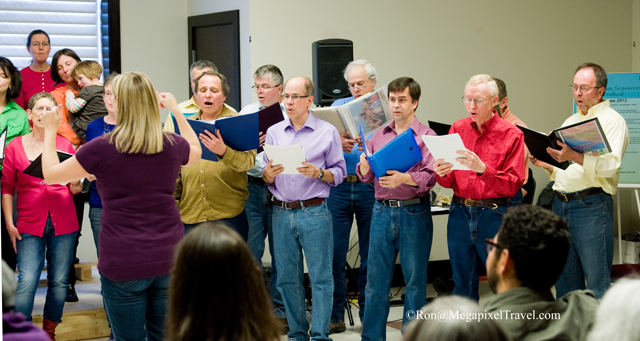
<point>216,37</point>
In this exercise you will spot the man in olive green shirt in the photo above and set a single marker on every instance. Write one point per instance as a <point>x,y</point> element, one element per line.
<point>212,190</point>
<point>524,260</point>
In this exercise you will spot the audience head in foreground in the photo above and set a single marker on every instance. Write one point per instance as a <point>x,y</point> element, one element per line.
<point>216,291</point>
<point>466,327</point>
<point>616,317</point>
<point>530,250</point>
<point>524,261</point>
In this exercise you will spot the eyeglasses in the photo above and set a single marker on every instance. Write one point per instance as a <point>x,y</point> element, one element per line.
<point>41,109</point>
<point>477,101</point>
<point>359,84</point>
<point>294,98</point>
<point>257,87</point>
<point>108,94</point>
<point>583,88</point>
<point>488,242</point>
<point>38,44</point>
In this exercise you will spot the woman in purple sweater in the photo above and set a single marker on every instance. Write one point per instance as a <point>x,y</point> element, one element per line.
<point>136,167</point>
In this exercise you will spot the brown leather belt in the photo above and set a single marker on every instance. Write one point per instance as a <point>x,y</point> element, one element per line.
<point>578,195</point>
<point>292,205</point>
<point>352,178</point>
<point>486,203</point>
<point>401,203</point>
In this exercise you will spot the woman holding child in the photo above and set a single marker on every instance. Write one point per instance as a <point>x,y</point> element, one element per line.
<point>62,65</point>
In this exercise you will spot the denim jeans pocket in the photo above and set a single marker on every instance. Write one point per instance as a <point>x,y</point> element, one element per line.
<point>377,207</point>
<point>124,284</point>
<point>593,201</point>
<point>316,211</point>
<point>415,209</point>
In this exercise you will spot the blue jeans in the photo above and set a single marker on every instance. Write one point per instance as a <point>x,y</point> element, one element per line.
<point>345,200</point>
<point>136,309</point>
<point>238,223</point>
<point>409,231</point>
<point>308,229</point>
<point>467,229</point>
<point>260,225</point>
<point>95,216</point>
<point>31,254</point>
<point>590,222</point>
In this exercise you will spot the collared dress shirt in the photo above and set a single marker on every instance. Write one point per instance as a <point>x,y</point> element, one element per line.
<point>500,146</point>
<point>422,173</point>
<point>188,109</point>
<point>322,148</point>
<point>211,190</point>
<point>596,171</point>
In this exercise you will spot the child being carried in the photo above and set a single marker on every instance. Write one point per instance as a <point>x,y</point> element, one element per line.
<point>89,104</point>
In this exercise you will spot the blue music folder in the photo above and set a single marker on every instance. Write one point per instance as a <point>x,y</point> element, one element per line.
<point>400,154</point>
<point>240,133</point>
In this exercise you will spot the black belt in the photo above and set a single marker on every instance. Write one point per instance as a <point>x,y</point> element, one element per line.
<point>485,203</point>
<point>255,180</point>
<point>352,178</point>
<point>401,203</point>
<point>292,205</point>
<point>578,195</point>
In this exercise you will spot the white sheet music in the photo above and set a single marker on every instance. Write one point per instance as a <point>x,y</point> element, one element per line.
<point>446,147</point>
<point>290,157</point>
<point>3,143</point>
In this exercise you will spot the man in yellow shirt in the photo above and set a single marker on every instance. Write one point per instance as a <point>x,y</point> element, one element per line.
<point>212,190</point>
<point>583,191</point>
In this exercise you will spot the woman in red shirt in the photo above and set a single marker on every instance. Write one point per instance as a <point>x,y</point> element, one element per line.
<point>37,76</point>
<point>46,225</point>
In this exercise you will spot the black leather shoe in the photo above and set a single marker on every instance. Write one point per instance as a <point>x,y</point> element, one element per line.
<point>71,295</point>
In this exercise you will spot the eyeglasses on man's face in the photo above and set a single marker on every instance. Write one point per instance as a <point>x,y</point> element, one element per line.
<point>294,98</point>
<point>477,101</point>
<point>490,244</point>
<point>263,87</point>
<point>583,88</point>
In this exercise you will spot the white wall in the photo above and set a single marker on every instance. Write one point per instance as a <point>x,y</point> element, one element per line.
<point>154,41</point>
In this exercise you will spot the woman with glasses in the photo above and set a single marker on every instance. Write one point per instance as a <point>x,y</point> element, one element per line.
<point>46,225</point>
<point>37,76</point>
<point>136,166</point>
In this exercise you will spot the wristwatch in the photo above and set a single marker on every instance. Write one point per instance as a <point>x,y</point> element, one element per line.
<point>321,174</point>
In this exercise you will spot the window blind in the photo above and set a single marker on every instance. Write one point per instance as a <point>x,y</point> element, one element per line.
<point>73,24</point>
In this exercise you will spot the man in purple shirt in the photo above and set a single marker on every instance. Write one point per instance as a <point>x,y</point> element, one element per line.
<point>401,220</point>
<point>301,219</point>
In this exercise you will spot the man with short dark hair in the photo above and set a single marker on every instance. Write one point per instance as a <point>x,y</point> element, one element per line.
<point>524,260</point>
<point>494,157</point>
<point>268,87</point>
<point>583,191</point>
<point>301,219</point>
<point>401,221</point>
<point>351,198</point>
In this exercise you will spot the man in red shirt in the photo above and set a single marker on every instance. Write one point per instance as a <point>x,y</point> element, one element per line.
<point>494,155</point>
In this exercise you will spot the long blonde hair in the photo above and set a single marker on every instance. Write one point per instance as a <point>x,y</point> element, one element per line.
<point>138,128</point>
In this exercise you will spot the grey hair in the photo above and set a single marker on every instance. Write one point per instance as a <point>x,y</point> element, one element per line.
<point>427,327</point>
<point>201,65</point>
<point>614,318</point>
<point>270,71</point>
<point>368,68</point>
<point>482,78</point>
<point>223,80</point>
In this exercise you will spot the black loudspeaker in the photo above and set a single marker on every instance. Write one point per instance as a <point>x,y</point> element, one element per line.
<point>330,58</point>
